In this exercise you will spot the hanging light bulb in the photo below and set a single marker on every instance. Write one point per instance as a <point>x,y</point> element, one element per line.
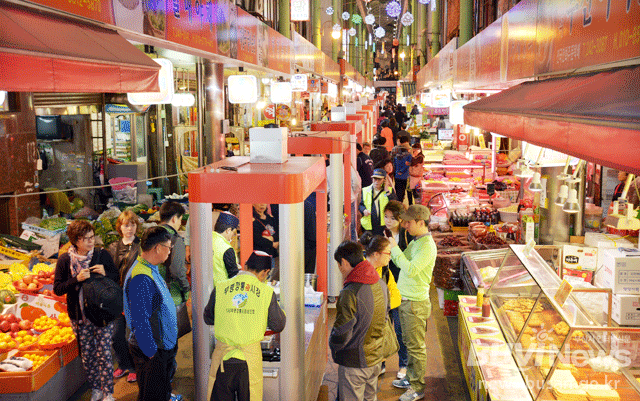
<point>336,34</point>
<point>407,19</point>
<point>571,205</point>
<point>329,11</point>
<point>393,9</point>
<point>352,32</point>
<point>346,16</point>
<point>370,41</point>
<point>407,40</point>
<point>369,19</point>
<point>563,194</point>
<point>536,185</point>
<point>380,32</point>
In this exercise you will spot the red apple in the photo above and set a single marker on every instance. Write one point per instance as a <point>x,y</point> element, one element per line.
<point>15,327</point>
<point>25,324</point>
<point>5,326</point>
<point>11,318</point>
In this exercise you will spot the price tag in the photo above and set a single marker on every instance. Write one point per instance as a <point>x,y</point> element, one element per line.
<point>563,292</point>
<point>527,249</point>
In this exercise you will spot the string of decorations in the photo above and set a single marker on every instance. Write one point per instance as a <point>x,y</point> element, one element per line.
<point>407,19</point>
<point>394,9</point>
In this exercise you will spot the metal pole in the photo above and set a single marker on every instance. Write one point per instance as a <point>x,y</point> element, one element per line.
<point>284,15</point>
<point>435,29</point>
<point>292,381</point>
<point>316,23</point>
<point>466,21</point>
<point>336,183</point>
<point>200,96</point>
<point>214,93</point>
<point>336,44</point>
<point>201,288</point>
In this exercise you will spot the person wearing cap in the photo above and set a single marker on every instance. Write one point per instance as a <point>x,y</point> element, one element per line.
<point>225,260</point>
<point>416,268</point>
<point>174,269</point>
<point>372,202</point>
<point>241,308</point>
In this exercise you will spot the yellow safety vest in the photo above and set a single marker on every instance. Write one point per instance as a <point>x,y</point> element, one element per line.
<point>367,199</point>
<point>220,246</point>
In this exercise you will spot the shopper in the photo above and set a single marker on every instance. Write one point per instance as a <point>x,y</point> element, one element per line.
<point>387,134</point>
<point>379,152</point>
<point>236,364</point>
<point>416,268</point>
<point>225,260</point>
<point>358,334</point>
<point>72,268</point>
<point>374,199</point>
<point>389,180</point>
<point>403,133</point>
<point>622,177</point>
<point>416,173</point>
<point>377,251</point>
<point>174,269</point>
<point>265,234</point>
<point>126,253</point>
<point>364,166</point>
<point>401,163</point>
<point>366,148</point>
<point>151,315</point>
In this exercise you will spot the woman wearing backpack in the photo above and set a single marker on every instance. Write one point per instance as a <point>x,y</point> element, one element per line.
<point>124,255</point>
<point>72,269</point>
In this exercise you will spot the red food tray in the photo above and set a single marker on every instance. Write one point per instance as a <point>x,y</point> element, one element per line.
<point>31,380</point>
<point>28,291</point>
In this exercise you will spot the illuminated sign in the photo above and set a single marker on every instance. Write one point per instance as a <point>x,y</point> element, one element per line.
<point>243,89</point>
<point>165,83</point>
<point>281,92</point>
<point>299,10</point>
<point>440,98</point>
<point>299,83</point>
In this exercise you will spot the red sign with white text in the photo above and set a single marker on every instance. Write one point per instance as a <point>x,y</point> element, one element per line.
<point>193,24</point>
<point>247,37</point>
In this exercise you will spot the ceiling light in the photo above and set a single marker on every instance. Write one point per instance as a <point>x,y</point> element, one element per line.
<point>329,11</point>
<point>379,32</point>
<point>407,19</point>
<point>335,34</point>
<point>571,205</point>
<point>536,185</point>
<point>563,194</point>
<point>346,16</point>
<point>369,19</point>
<point>393,9</point>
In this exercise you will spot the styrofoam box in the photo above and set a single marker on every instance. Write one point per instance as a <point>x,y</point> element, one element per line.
<point>579,257</point>
<point>604,241</point>
<point>268,145</point>
<point>625,309</point>
<point>619,270</point>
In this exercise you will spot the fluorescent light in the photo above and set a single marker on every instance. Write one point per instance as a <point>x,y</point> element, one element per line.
<point>243,89</point>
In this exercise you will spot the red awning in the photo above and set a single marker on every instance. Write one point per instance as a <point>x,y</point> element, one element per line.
<point>595,117</point>
<point>45,53</point>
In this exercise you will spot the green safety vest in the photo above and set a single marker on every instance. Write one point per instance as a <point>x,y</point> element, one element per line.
<point>220,246</point>
<point>241,310</point>
<point>367,198</point>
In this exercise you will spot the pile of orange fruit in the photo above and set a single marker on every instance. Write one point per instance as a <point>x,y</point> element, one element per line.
<point>25,339</point>
<point>64,319</point>
<point>56,335</point>
<point>6,342</point>
<point>44,323</point>
<point>36,359</point>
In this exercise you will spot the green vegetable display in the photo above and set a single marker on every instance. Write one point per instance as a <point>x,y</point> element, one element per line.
<point>53,223</point>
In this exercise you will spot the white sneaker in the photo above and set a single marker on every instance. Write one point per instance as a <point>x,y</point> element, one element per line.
<point>109,397</point>
<point>96,395</point>
<point>402,373</point>
<point>411,395</point>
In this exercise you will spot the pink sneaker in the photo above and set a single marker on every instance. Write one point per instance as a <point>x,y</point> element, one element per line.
<point>132,378</point>
<point>119,373</point>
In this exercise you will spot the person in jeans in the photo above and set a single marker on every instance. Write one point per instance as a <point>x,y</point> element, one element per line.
<point>416,270</point>
<point>401,163</point>
<point>151,316</point>
<point>357,339</point>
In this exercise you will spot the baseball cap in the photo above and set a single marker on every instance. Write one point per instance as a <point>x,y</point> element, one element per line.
<point>379,173</point>
<point>228,219</point>
<point>416,212</point>
<point>259,261</point>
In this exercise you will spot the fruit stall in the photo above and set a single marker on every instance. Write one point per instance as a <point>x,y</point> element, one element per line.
<point>39,353</point>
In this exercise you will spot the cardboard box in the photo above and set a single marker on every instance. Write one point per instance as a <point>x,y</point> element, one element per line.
<point>31,380</point>
<point>586,275</point>
<point>619,270</point>
<point>579,257</point>
<point>625,309</point>
<point>605,241</point>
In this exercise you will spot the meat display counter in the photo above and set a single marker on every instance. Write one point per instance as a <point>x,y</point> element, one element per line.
<point>562,352</point>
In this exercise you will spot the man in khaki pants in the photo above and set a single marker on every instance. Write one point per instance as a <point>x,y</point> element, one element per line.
<point>416,269</point>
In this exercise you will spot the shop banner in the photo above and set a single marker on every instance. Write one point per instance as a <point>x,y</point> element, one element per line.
<point>98,10</point>
<point>192,24</point>
<point>488,55</point>
<point>461,66</point>
<point>247,37</point>
<point>280,55</point>
<point>518,52</point>
<point>305,52</point>
<point>314,85</point>
<point>445,64</point>
<point>578,34</point>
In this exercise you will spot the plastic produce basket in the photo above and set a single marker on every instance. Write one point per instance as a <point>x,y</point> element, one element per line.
<point>43,231</point>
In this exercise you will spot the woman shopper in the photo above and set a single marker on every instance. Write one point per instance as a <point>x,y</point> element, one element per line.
<point>377,250</point>
<point>416,172</point>
<point>394,229</point>
<point>125,254</point>
<point>72,269</point>
<point>265,235</point>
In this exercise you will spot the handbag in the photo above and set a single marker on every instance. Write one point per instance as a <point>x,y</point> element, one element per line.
<point>184,324</point>
<point>390,343</point>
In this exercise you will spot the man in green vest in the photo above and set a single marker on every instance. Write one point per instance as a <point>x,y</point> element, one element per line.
<point>374,199</point>
<point>241,308</point>
<point>225,260</point>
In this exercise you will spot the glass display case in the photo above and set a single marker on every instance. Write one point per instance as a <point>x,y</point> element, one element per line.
<point>561,351</point>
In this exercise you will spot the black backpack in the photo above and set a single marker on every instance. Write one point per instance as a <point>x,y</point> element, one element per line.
<point>102,299</point>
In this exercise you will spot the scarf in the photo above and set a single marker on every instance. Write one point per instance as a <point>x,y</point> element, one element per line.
<point>79,262</point>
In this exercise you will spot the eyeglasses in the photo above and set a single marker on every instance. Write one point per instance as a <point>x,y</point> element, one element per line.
<point>167,246</point>
<point>89,237</point>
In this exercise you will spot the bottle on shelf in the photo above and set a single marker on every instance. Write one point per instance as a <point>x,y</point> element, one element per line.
<point>480,296</point>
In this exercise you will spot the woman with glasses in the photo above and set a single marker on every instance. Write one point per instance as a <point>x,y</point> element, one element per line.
<point>74,267</point>
<point>377,250</point>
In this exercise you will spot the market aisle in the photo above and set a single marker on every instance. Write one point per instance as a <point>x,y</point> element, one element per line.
<point>445,380</point>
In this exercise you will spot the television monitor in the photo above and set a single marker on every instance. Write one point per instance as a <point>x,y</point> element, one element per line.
<point>52,128</point>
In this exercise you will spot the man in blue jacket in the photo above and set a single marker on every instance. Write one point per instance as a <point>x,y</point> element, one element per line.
<point>151,315</point>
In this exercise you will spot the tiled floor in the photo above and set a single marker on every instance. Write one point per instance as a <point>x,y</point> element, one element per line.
<point>444,377</point>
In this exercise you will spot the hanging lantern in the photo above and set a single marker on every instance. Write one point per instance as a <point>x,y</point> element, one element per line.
<point>423,1</point>
<point>346,16</point>
<point>394,9</point>
<point>356,19</point>
<point>379,32</point>
<point>352,32</point>
<point>337,28</point>
<point>329,11</point>
<point>407,19</point>
<point>396,42</point>
<point>369,19</point>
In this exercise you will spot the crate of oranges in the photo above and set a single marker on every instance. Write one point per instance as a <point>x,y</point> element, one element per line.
<point>56,337</point>
<point>26,340</point>
<point>44,323</point>
<point>64,320</point>
<point>7,342</point>
<point>45,365</point>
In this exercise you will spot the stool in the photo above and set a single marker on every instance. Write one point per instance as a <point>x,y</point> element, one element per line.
<point>156,192</point>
